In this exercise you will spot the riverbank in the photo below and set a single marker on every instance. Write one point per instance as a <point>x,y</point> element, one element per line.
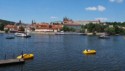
<point>47,33</point>
<point>1,32</point>
<point>95,34</point>
<point>62,33</point>
<point>58,33</point>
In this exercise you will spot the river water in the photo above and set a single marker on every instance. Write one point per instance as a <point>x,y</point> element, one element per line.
<point>64,53</point>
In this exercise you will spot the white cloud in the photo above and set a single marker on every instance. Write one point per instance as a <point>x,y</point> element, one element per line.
<point>91,8</point>
<point>101,19</point>
<point>98,8</point>
<point>53,17</point>
<point>117,1</point>
<point>101,8</point>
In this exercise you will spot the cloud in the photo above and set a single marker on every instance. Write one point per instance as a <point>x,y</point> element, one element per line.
<point>91,8</point>
<point>98,8</point>
<point>53,17</point>
<point>101,8</point>
<point>116,1</point>
<point>101,19</point>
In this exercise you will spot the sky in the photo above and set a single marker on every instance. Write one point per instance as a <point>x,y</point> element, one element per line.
<point>56,10</point>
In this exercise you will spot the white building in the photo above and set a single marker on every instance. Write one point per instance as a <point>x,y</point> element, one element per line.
<point>87,22</point>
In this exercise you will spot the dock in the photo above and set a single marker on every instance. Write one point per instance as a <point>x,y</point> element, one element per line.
<point>11,61</point>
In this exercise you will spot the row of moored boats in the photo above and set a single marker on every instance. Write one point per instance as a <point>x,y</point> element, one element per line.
<point>31,56</point>
<point>25,35</point>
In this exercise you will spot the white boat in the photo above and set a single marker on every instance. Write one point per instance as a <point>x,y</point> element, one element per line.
<point>104,37</point>
<point>22,35</point>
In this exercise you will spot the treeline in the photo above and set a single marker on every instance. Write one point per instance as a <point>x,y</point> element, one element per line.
<point>3,23</point>
<point>112,28</point>
<point>116,23</point>
<point>68,29</point>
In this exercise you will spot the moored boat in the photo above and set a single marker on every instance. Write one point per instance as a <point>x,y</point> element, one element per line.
<point>26,56</point>
<point>26,35</point>
<point>89,51</point>
<point>104,37</point>
<point>9,37</point>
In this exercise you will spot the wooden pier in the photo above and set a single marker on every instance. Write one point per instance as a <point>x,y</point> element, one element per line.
<point>11,61</point>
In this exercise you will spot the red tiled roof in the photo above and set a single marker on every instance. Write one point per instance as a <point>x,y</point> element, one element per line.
<point>10,26</point>
<point>41,26</point>
<point>47,26</point>
<point>57,26</point>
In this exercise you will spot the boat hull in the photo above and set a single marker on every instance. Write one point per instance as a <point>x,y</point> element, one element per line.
<point>89,52</point>
<point>22,35</point>
<point>26,56</point>
<point>104,37</point>
<point>9,37</point>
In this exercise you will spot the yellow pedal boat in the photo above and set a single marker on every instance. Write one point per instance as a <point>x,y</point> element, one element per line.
<point>89,51</point>
<point>26,56</point>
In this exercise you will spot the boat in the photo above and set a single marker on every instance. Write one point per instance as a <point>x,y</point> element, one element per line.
<point>26,35</point>
<point>89,51</point>
<point>9,37</point>
<point>26,56</point>
<point>104,37</point>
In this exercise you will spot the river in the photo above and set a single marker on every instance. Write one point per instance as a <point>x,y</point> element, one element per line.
<point>64,53</point>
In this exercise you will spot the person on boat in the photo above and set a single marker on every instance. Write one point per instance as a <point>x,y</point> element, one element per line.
<point>88,49</point>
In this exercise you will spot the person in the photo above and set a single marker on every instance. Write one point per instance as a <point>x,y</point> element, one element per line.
<point>88,49</point>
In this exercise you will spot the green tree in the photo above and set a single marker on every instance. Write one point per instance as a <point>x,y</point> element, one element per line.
<point>90,27</point>
<point>82,30</point>
<point>72,29</point>
<point>65,28</point>
<point>6,30</point>
<point>68,29</point>
<point>2,26</point>
<point>110,30</point>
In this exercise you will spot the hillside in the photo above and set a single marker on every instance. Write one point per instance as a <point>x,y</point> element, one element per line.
<point>4,22</point>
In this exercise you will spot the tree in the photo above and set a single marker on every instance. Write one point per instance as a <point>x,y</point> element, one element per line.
<point>1,26</point>
<point>6,30</point>
<point>95,27</point>
<point>110,30</point>
<point>82,30</point>
<point>21,28</point>
<point>72,29</point>
<point>90,27</point>
<point>65,28</point>
<point>68,29</point>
